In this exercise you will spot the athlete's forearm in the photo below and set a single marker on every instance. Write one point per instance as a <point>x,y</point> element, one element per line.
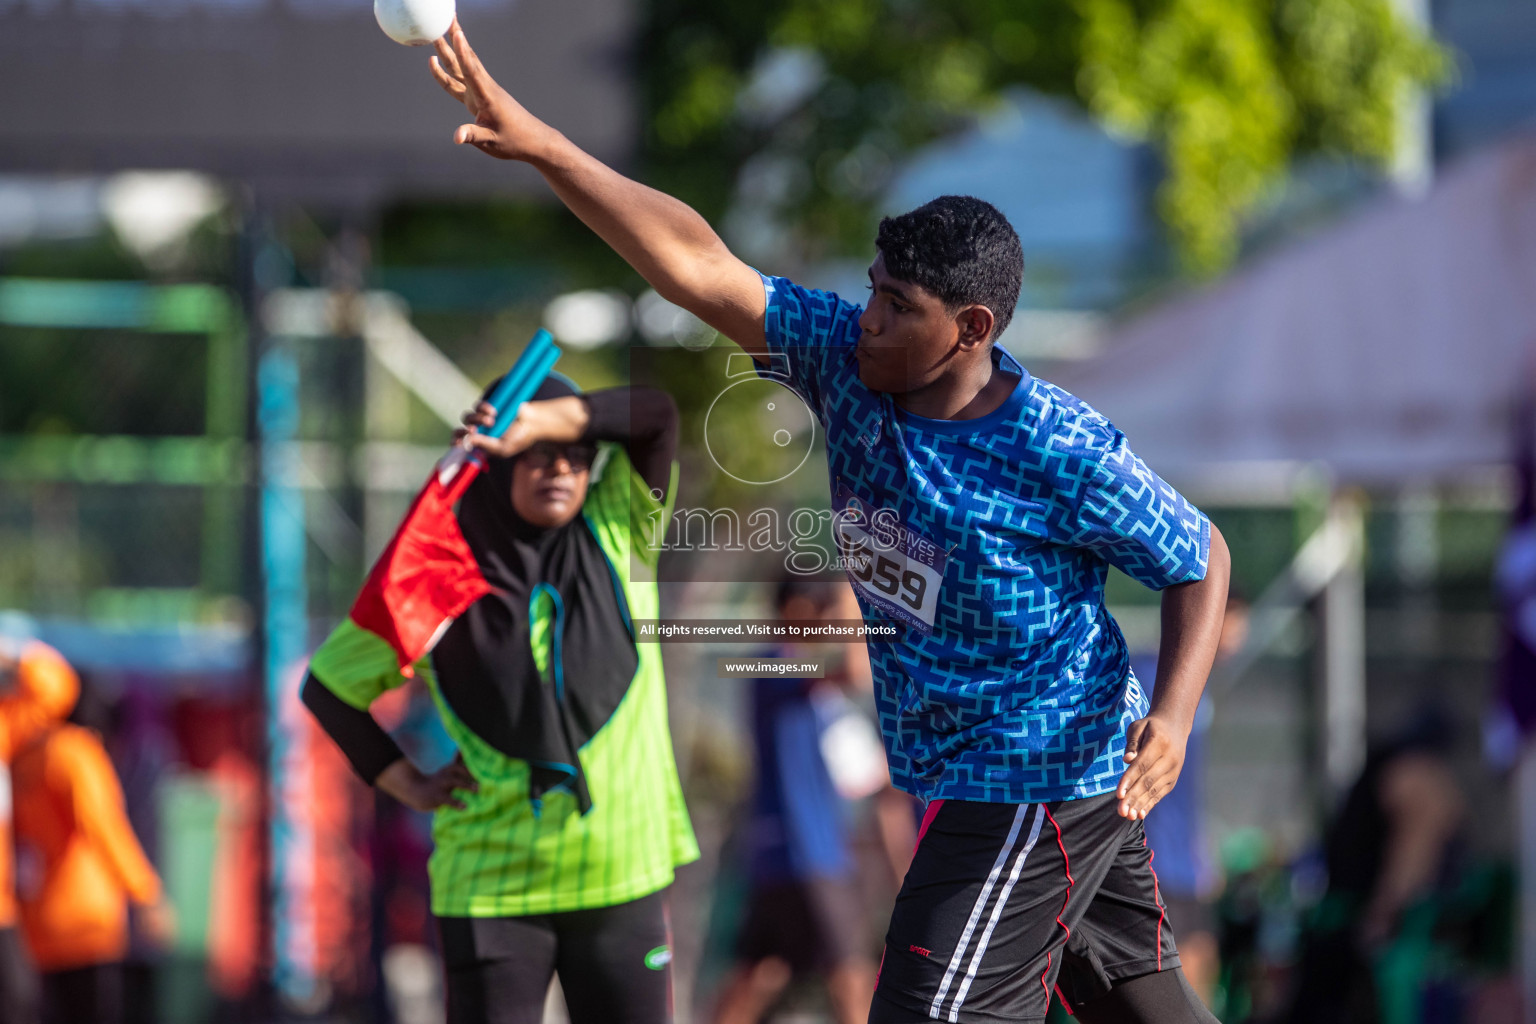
<point>562,420</point>
<point>1191,614</point>
<point>610,414</point>
<point>663,238</point>
<point>671,246</point>
<point>644,421</point>
<point>366,745</point>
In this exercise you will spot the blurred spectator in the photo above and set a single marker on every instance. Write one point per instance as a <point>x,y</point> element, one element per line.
<point>37,688</point>
<point>1388,866</point>
<point>1176,833</point>
<point>803,910</point>
<point>1257,914</point>
<point>192,783</point>
<point>141,748</point>
<point>81,865</point>
<point>234,915</point>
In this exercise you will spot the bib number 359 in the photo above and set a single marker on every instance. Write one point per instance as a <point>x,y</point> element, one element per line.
<point>887,575</point>
<point>898,570</point>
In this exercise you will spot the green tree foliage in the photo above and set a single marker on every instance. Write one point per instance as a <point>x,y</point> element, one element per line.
<point>1229,91</point>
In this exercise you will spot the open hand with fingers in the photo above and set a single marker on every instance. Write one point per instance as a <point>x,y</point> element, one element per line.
<point>502,127</point>
<point>1154,749</point>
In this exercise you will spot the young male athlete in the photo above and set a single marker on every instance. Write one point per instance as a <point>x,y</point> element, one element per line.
<point>981,508</point>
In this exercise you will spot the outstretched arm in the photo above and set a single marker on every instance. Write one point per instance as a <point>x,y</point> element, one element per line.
<point>665,240</point>
<point>1154,746</point>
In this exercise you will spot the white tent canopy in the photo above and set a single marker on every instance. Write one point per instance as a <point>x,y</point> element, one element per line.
<point>1390,348</point>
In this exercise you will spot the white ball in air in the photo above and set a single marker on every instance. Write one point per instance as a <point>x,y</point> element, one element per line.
<point>413,22</point>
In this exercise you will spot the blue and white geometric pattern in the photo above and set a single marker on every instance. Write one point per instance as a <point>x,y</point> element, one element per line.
<point>1023,691</point>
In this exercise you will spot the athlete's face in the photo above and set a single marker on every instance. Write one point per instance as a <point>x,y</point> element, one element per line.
<point>909,338</point>
<point>906,334</point>
<point>549,483</point>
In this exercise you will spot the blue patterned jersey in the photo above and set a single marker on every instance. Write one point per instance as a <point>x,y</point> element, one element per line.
<point>990,539</point>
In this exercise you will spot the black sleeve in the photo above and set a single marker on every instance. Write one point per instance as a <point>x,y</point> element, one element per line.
<point>363,740</point>
<point>644,421</point>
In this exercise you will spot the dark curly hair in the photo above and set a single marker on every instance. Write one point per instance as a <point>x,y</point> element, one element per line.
<point>960,248</point>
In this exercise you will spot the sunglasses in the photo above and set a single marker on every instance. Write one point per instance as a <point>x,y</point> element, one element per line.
<point>544,454</point>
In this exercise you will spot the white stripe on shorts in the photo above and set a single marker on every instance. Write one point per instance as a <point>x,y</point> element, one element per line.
<point>997,912</point>
<point>934,1010</point>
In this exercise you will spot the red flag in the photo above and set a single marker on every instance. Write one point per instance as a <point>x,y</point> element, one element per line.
<point>427,575</point>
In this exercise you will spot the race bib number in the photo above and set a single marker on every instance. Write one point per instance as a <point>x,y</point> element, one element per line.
<point>898,570</point>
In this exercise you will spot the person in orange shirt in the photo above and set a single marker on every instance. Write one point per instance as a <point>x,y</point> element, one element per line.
<point>81,866</point>
<point>37,688</point>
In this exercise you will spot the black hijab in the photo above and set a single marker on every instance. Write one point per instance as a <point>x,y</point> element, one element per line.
<point>484,662</point>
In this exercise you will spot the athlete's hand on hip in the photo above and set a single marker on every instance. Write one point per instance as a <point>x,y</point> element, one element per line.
<point>502,127</point>
<point>1154,749</point>
<point>422,792</point>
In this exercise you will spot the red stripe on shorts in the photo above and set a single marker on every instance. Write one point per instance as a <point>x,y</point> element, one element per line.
<point>928,816</point>
<point>1064,1004</point>
<point>922,830</point>
<point>1158,897</point>
<point>1066,866</point>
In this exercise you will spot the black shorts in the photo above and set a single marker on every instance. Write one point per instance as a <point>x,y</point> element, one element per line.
<point>813,924</point>
<point>614,965</point>
<point>1005,903</point>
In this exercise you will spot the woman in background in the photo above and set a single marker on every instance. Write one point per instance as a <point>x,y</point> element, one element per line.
<point>558,826</point>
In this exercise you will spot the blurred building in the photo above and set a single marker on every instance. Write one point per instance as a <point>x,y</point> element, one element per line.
<point>1496,43</point>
